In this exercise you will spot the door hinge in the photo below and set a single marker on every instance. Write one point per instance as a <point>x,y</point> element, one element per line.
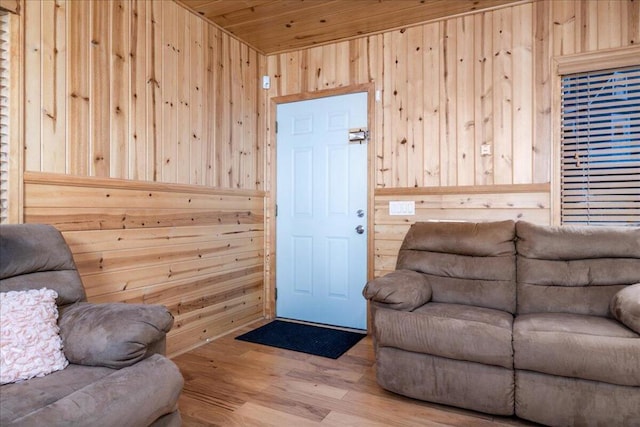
<point>276,210</point>
<point>276,126</point>
<point>275,294</point>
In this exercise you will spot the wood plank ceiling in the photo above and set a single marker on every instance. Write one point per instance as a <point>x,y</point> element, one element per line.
<point>272,26</point>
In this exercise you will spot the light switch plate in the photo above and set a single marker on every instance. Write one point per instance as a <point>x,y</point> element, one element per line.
<point>402,207</point>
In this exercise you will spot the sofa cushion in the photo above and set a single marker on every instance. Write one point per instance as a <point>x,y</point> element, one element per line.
<point>90,396</point>
<point>625,306</point>
<point>30,344</point>
<point>465,263</point>
<point>26,264</point>
<point>577,346</point>
<point>485,239</point>
<point>474,386</point>
<point>574,269</point>
<point>19,399</point>
<point>453,331</point>
<point>560,401</point>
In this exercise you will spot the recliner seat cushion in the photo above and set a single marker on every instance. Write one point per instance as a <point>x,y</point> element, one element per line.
<point>453,331</point>
<point>577,346</point>
<point>574,269</point>
<point>464,263</point>
<point>94,396</point>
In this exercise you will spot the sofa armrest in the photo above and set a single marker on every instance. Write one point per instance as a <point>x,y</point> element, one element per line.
<point>403,290</point>
<point>114,335</point>
<point>625,307</point>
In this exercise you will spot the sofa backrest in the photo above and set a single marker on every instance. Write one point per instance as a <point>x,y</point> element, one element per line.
<point>465,263</point>
<point>35,256</point>
<point>574,269</point>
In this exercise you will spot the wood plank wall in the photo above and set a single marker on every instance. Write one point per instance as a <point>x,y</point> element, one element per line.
<point>197,250</point>
<point>142,144</point>
<point>126,98</point>
<point>449,87</point>
<point>140,90</point>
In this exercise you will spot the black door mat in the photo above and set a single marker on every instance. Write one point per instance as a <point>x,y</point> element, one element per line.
<point>310,339</point>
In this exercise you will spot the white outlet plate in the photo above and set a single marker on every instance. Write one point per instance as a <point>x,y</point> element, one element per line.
<point>485,150</point>
<point>401,207</point>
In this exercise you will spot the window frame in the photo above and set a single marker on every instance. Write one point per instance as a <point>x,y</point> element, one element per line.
<point>574,64</point>
<point>15,211</point>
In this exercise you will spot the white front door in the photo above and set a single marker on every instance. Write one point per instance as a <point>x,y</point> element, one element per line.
<point>321,237</point>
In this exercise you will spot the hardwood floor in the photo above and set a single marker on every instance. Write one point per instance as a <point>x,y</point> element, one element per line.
<point>235,383</point>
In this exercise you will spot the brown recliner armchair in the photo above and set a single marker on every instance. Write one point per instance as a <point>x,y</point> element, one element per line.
<point>117,374</point>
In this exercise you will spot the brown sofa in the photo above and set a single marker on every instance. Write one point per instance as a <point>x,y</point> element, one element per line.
<point>117,375</point>
<point>514,318</point>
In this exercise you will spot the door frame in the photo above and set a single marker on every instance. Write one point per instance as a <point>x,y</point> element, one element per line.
<point>271,169</point>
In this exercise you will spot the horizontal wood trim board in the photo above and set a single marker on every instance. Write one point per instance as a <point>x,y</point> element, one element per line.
<point>463,189</point>
<point>599,59</point>
<point>12,6</point>
<point>46,178</point>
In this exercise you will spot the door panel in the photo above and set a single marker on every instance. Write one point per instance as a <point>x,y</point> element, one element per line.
<point>321,261</point>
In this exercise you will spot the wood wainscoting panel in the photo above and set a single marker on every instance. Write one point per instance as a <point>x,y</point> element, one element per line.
<point>530,202</point>
<point>199,251</point>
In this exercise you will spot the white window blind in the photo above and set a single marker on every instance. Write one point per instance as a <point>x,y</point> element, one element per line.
<point>4,116</point>
<point>600,145</point>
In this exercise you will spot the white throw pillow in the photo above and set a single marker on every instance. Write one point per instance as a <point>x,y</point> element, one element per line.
<point>30,344</point>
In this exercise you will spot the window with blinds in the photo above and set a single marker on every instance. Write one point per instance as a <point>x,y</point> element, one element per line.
<point>4,116</point>
<point>600,146</point>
